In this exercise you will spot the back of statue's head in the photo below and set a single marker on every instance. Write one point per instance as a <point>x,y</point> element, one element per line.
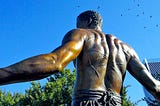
<point>89,19</point>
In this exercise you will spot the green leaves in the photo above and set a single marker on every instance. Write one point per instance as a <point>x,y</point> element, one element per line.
<point>8,99</point>
<point>126,101</point>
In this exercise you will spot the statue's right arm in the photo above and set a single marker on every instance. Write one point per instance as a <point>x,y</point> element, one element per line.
<point>137,69</point>
<point>41,66</point>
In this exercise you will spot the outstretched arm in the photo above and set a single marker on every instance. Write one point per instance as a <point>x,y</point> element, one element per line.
<point>41,66</point>
<point>139,71</point>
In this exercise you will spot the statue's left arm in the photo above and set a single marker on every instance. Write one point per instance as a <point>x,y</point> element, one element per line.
<point>41,66</point>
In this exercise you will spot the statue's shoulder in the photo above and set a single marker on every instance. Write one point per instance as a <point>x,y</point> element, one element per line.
<point>76,31</point>
<point>127,49</point>
<point>75,34</point>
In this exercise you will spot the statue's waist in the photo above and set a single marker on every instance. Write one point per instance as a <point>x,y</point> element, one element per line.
<point>82,95</point>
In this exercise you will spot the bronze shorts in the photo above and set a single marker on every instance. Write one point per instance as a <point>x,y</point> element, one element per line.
<point>96,98</point>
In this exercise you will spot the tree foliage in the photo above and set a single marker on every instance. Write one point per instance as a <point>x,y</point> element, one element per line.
<point>56,92</point>
<point>126,101</point>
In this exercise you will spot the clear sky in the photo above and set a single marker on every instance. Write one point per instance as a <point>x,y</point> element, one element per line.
<point>32,27</point>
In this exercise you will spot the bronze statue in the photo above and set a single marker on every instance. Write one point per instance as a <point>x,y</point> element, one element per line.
<point>101,61</point>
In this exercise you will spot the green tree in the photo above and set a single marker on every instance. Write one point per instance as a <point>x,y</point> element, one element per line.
<point>56,92</point>
<point>126,101</point>
<point>8,99</point>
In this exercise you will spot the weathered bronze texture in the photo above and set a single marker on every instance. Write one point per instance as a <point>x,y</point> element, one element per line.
<point>101,61</point>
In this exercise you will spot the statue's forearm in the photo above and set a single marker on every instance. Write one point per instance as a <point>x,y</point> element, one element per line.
<point>34,68</point>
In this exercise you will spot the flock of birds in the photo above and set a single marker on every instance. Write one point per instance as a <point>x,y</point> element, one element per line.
<point>137,15</point>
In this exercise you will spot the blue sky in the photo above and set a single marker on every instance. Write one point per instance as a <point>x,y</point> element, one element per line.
<point>32,27</point>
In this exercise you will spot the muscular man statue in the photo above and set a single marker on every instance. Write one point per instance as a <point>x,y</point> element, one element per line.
<point>101,61</point>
